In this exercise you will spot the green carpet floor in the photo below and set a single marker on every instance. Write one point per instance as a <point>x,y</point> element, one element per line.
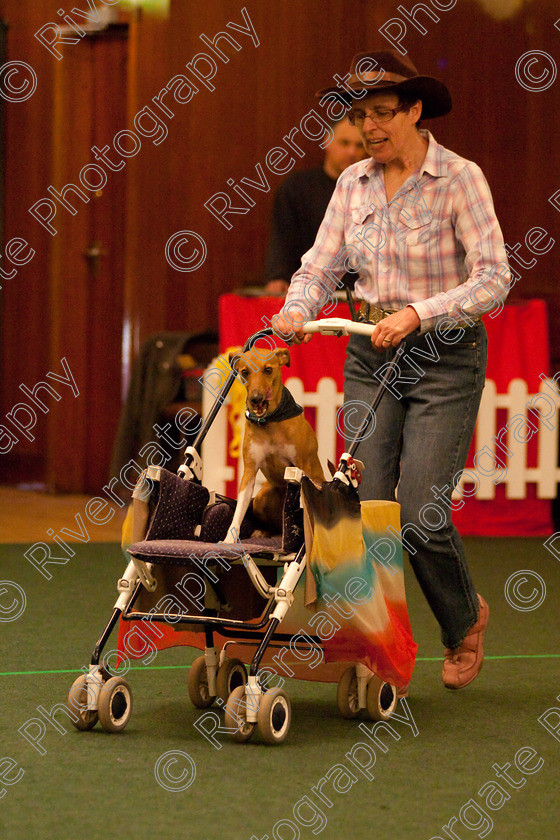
<point>94,784</point>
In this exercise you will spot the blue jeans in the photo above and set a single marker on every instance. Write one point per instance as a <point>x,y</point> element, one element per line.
<point>420,441</point>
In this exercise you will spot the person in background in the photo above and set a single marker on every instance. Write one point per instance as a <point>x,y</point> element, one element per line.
<point>300,204</point>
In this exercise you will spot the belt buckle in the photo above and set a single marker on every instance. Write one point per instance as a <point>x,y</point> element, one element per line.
<point>372,314</point>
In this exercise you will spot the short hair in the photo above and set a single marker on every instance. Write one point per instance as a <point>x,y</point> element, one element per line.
<point>407,100</point>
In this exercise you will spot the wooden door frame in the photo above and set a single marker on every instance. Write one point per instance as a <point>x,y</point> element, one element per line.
<point>68,452</point>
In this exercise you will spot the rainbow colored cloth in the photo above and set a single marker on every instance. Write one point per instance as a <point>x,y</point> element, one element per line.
<point>356,566</point>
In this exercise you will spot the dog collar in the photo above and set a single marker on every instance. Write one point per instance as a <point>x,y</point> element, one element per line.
<point>285,410</point>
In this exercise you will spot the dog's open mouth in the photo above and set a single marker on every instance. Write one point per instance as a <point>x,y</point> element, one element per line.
<point>258,408</point>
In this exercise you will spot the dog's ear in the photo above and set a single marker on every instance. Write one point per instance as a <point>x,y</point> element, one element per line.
<point>234,358</point>
<point>283,356</point>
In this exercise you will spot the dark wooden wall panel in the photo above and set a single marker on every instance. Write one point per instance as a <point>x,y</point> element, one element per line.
<point>24,349</point>
<point>261,94</point>
<point>149,196</point>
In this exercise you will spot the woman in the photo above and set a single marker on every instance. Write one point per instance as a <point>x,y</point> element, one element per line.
<point>417,221</point>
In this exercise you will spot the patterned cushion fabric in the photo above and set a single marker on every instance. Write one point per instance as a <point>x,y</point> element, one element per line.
<point>179,508</point>
<point>182,505</point>
<point>186,552</point>
<point>216,521</point>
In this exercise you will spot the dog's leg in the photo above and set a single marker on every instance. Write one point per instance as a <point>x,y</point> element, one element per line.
<point>313,470</point>
<point>243,501</point>
<point>268,505</point>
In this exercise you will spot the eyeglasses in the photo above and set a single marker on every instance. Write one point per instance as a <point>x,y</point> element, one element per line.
<point>378,115</point>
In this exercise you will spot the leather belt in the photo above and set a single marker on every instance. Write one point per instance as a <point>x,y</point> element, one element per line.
<point>373,314</point>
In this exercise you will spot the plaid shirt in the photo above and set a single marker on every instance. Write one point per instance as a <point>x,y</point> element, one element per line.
<point>436,245</point>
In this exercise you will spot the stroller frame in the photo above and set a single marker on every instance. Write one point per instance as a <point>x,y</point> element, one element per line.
<point>97,695</point>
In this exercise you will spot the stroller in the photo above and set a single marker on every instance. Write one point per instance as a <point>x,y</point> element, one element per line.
<point>365,645</point>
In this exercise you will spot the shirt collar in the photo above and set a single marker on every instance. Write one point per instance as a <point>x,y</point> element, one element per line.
<point>433,164</point>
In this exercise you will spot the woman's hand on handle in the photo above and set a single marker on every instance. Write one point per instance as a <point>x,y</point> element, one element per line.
<point>290,327</point>
<point>391,330</point>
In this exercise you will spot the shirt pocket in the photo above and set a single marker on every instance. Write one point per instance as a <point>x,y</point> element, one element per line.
<point>362,213</point>
<point>366,232</point>
<point>416,237</point>
<point>414,222</point>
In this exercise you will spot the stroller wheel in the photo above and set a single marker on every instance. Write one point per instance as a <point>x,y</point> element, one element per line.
<point>197,684</point>
<point>236,716</point>
<point>347,695</point>
<point>231,675</point>
<point>274,716</point>
<point>382,698</point>
<point>77,702</point>
<point>115,704</point>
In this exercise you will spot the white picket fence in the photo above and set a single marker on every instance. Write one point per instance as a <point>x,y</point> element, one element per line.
<point>501,448</point>
<point>507,442</point>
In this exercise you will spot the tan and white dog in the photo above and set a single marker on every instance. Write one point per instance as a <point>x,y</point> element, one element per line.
<point>277,436</point>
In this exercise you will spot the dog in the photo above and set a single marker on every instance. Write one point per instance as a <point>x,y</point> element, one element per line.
<point>277,436</point>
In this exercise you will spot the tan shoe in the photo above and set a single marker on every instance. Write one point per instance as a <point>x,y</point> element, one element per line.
<point>462,664</point>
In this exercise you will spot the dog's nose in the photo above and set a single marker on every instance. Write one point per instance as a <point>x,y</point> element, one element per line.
<point>256,399</point>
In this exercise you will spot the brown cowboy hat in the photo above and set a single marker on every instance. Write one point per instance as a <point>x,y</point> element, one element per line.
<point>388,70</point>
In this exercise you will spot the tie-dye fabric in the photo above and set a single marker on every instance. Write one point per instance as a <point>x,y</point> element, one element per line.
<point>357,568</point>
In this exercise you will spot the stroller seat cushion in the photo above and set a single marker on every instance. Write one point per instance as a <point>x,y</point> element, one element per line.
<point>179,508</point>
<point>215,522</point>
<point>185,552</point>
<point>217,518</point>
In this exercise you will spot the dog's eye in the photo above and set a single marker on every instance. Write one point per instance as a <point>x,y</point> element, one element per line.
<point>268,369</point>
<point>244,373</point>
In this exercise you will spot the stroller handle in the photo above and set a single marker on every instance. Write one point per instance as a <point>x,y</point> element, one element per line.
<point>338,326</point>
<point>324,326</point>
